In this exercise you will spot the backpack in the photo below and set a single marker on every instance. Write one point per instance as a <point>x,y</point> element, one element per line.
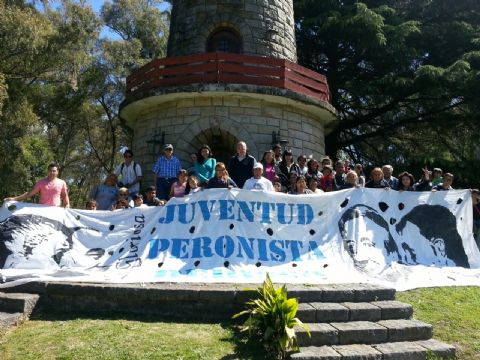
<point>134,171</point>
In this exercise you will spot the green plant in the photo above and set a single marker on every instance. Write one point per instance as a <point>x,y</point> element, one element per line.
<point>272,318</point>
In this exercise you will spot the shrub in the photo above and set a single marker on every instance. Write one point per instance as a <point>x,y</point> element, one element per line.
<point>272,319</point>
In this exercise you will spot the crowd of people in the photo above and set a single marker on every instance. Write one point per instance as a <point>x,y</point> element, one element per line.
<point>277,171</point>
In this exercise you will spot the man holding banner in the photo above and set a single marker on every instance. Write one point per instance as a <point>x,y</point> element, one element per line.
<point>52,190</point>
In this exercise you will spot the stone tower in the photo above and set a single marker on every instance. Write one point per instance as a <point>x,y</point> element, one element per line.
<point>230,75</point>
<point>262,27</point>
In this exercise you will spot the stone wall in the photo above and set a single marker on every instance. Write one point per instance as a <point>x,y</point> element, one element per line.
<point>191,120</point>
<point>266,26</point>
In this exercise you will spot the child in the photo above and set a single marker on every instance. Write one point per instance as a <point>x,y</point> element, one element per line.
<point>178,187</point>
<point>192,185</point>
<point>277,186</point>
<point>91,205</point>
<point>312,183</point>
<point>437,175</point>
<point>120,205</point>
<point>326,181</point>
<point>122,195</point>
<point>138,201</point>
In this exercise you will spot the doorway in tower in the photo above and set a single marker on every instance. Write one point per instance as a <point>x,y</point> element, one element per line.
<point>222,143</point>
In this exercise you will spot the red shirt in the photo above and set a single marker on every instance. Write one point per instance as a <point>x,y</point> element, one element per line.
<point>51,192</point>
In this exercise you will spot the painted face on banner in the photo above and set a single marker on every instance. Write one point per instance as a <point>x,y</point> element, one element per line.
<point>365,243</point>
<point>419,250</point>
<point>32,241</point>
<point>428,235</point>
<point>367,238</point>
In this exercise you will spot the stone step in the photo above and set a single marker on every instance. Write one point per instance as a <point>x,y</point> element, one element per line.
<point>216,302</point>
<point>334,293</point>
<point>415,350</point>
<point>363,332</point>
<point>17,302</point>
<point>351,311</point>
<point>9,319</point>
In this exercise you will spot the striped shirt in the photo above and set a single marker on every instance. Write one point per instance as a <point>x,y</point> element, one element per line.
<point>166,168</point>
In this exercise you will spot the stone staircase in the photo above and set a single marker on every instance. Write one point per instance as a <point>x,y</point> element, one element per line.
<point>370,325</point>
<point>15,308</point>
<point>346,321</point>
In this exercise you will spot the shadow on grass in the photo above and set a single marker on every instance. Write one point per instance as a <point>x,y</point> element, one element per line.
<point>245,347</point>
<point>53,315</point>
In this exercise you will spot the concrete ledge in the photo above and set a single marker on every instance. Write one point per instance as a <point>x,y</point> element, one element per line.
<point>9,319</point>
<point>316,353</point>
<point>363,332</point>
<point>358,352</point>
<point>394,309</point>
<point>213,301</point>
<point>405,330</point>
<point>306,312</point>
<point>363,311</point>
<point>401,351</point>
<point>16,302</point>
<point>321,334</point>
<point>438,348</point>
<point>416,350</point>
<point>330,312</point>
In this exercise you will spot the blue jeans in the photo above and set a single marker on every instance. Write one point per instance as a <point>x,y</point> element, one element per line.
<point>163,187</point>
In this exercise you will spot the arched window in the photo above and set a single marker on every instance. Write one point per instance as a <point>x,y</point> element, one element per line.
<point>225,40</point>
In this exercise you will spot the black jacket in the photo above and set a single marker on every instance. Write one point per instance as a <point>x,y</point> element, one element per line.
<point>240,171</point>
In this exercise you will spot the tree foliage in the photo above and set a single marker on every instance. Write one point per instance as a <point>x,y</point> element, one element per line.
<point>404,77</point>
<point>61,84</point>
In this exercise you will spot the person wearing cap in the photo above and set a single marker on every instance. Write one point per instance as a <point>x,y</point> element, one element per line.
<point>166,169</point>
<point>257,181</point>
<point>129,173</point>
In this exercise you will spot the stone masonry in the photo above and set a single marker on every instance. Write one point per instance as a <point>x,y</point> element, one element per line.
<point>220,114</point>
<point>265,26</point>
<point>191,121</point>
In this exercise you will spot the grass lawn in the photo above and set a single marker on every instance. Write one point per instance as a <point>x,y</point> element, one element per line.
<point>67,337</point>
<point>454,313</point>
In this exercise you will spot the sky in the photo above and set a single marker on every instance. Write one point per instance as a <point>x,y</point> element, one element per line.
<point>96,4</point>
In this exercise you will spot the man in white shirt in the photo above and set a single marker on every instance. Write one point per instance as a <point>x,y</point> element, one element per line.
<point>130,173</point>
<point>258,182</point>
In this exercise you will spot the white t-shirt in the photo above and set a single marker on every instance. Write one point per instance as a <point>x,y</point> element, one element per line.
<point>127,175</point>
<point>262,184</point>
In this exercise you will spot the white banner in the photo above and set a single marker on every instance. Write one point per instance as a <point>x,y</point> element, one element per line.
<point>405,240</point>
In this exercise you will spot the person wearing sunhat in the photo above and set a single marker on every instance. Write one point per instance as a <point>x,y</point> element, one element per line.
<point>257,181</point>
<point>166,169</point>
